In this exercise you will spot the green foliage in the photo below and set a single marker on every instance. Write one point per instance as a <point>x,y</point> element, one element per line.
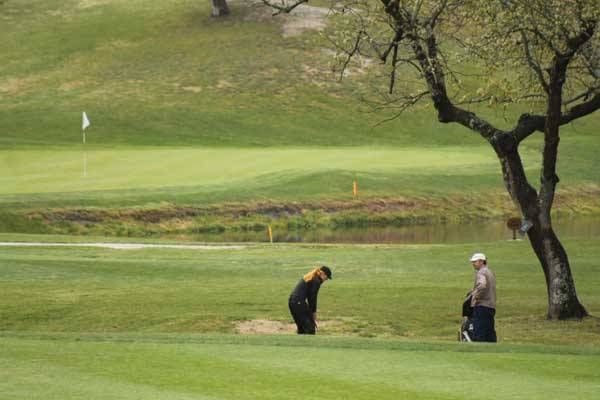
<point>492,54</point>
<point>519,39</point>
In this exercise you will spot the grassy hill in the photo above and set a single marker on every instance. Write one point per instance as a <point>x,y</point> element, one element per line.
<point>187,109</point>
<point>166,73</point>
<point>158,73</point>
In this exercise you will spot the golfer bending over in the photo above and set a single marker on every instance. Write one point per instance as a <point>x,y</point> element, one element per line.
<point>483,300</point>
<point>303,300</point>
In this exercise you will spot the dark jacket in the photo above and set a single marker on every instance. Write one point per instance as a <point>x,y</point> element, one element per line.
<point>307,291</point>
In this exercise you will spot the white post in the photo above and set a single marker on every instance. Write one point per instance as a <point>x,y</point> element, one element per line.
<point>85,122</point>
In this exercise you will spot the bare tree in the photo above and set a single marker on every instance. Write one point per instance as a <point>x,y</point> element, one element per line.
<point>544,52</point>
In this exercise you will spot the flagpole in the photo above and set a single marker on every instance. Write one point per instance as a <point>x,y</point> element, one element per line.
<point>84,153</point>
<point>85,122</point>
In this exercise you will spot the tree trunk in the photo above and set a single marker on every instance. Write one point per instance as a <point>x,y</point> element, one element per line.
<point>562,298</point>
<point>219,8</point>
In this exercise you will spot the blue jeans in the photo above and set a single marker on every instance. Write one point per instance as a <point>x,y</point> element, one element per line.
<point>483,324</point>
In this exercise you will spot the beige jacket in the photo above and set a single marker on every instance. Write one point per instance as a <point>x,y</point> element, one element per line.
<point>484,288</point>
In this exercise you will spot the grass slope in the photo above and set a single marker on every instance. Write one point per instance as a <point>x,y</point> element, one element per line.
<point>166,73</point>
<point>156,73</point>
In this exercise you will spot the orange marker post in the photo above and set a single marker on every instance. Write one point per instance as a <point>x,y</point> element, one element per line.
<point>354,189</point>
<point>270,231</point>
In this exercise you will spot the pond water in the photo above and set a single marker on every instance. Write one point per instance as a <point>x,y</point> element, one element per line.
<point>486,231</point>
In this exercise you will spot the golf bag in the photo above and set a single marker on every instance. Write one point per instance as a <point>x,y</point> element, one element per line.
<point>465,334</point>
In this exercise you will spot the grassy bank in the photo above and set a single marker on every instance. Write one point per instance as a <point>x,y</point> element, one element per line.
<point>185,191</point>
<point>230,220</point>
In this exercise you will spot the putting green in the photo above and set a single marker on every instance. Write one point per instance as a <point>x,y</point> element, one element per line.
<point>46,171</point>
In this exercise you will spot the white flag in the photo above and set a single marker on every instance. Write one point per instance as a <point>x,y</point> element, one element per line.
<point>86,122</point>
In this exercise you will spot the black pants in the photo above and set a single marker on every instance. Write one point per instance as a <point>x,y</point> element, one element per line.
<point>483,324</point>
<point>302,317</point>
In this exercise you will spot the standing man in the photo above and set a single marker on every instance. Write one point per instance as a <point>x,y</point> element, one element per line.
<point>303,300</point>
<point>483,300</point>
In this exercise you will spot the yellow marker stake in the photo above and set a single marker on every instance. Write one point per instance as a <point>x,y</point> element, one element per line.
<point>354,189</point>
<point>270,234</point>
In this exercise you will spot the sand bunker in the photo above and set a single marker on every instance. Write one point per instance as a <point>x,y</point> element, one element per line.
<point>270,327</point>
<point>264,326</point>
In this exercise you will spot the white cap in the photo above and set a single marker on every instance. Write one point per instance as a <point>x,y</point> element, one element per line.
<point>478,256</point>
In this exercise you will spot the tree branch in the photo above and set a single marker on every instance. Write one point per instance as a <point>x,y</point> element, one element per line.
<point>583,95</point>
<point>574,43</point>
<point>532,63</point>
<point>393,45</point>
<point>284,8</point>
<point>581,110</point>
<point>393,73</point>
<point>351,53</point>
<point>528,124</point>
<point>448,112</point>
<point>432,21</point>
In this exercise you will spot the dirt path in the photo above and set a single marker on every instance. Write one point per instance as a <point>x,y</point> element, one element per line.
<point>124,246</point>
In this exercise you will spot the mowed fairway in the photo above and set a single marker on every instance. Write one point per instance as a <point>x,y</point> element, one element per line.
<point>230,367</point>
<point>161,323</point>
